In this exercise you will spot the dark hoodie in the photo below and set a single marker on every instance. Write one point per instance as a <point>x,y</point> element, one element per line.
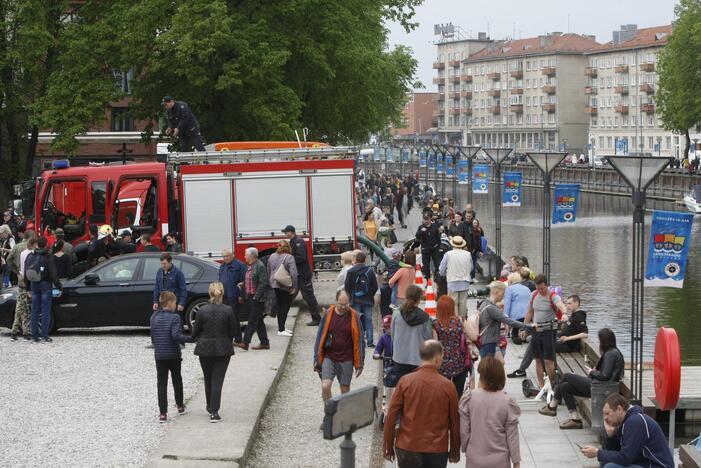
<point>51,276</point>
<point>350,285</point>
<point>642,443</point>
<point>410,329</point>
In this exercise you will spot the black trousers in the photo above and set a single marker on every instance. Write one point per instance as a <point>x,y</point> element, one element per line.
<point>255,322</point>
<point>528,355</point>
<point>284,299</point>
<point>214,371</point>
<point>163,366</point>
<point>427,257</point>
<point>459,382</point>
<point>404,369</point>
<point>573,385</point>
<point>406,459</point>
<point>306,288</point>
<point>234,304</point>
<point>189,139</point>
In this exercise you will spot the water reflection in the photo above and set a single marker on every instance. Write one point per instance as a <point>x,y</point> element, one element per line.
<point>592,258</point>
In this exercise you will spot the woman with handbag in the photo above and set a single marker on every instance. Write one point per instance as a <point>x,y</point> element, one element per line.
<point>282,273</point>
<point>448,329</point>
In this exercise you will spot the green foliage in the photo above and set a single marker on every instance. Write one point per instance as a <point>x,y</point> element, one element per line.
<point>679,93</point>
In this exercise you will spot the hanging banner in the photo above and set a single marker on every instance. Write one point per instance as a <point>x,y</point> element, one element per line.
<point>512,189</point>
<point>405,156</point>
<point>480,179</point>
<point>376,155</point>
<point>565,203</point>
<point>670,236</point>
<point>390,155</point>
<point>422,159</point>
<point>463,176</point>
<point>440,163</point>
<point>449,168</point>
<point>432,161</point>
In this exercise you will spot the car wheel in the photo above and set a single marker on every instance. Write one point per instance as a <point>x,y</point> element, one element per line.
<point>192,310</point>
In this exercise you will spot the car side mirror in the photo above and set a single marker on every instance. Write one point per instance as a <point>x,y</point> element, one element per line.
<point>91,279</point>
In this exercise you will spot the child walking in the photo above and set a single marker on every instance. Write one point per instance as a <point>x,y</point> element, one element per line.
<point>383,351</point>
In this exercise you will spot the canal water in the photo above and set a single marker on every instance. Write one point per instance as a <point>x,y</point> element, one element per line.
<point>592,258</point>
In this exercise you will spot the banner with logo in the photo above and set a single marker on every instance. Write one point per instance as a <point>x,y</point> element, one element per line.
<point>405,156</point>
<point>512,189</point>
<point>422,158</point>
<point>565,202</point>
<point>480,178</point>
<point>376,154</point>
<point>463,175</point>
<point>440,163</point>
<point>670,236</point>
<point>390,155</point>
<point>449,168</point>
<point>431,161</point>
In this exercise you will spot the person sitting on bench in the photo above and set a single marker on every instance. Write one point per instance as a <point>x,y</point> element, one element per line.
<point>608,369</point>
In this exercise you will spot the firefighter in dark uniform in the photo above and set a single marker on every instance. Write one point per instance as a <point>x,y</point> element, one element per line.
<point>304,273</point>
<point>182,123</point>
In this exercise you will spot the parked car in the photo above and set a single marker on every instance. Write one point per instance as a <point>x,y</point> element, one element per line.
<point>8,298</point>
<point>119,292</point>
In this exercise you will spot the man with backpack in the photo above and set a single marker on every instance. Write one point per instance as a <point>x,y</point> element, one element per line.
<point>545,310</point>
<point>40,272</point>
<point>361,286</point>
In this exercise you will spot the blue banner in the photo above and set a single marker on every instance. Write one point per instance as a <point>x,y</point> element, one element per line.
<point>670,237</point>
<point>390,155</point>
<point>405,156</point>
<point>440,163</point>
<point>565,202</point>
<point>463,176</point>
<point>480,179</point>
<point>431,161</point>
<point>422,158</point>
<point>376,154</point>
<point>449,169</point>
<point>512,189</point>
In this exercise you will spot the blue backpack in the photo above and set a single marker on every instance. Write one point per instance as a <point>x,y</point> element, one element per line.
<point>362,283</point>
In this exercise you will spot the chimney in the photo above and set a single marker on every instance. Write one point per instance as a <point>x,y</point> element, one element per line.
<point>482,36</point>
<point>556,33</point>
<point>545,41</point>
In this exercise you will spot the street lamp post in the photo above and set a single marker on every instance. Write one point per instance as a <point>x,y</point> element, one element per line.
<point>497,155</point>
<point>469,152</point>
<point>659,146</point>
<point>593,153</point>
<point>638,172</point>
<point>546,161</point>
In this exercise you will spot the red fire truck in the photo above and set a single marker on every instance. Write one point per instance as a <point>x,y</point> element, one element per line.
<point>235,195</point>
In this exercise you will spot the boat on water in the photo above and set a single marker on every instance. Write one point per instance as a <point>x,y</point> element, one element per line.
<point>693,199</point>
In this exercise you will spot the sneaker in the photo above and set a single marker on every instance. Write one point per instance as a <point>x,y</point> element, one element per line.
<point>182,410</point>
<point>284,333</point>
<point>13,336</point>
<point>27,337</point>
<point>572,424</point>
<point>214,418</point>
<point>288,331</point>
<point>36,340</point>
<point>547,411</point>
<point>517,373</point>
<point>163,418</point>
<point>261,346</point>
<point>313,323</point>
<point>48,340</point>
<point>209,412</point>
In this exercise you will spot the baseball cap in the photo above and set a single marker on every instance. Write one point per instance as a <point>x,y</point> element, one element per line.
<point>289,228</point>
<point>125,233</point>
<point>166,99</point>
<point>386,321</point>
<point>59,232</point>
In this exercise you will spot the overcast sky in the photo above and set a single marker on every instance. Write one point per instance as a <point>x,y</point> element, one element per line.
<point>520,19</point>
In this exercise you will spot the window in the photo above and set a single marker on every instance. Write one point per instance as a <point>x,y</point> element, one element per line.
<point>651,121</point>
<point>528,119</point>
<point>123,80</point>
<point>121,121</point>
<point>650,142</point>
<point>601,142</point>
<point>121,270</point>
<point>551,118</point>
<point>608,142</point>
<point>99,196</point>
<point>593,121</point>
<point>668,142</point>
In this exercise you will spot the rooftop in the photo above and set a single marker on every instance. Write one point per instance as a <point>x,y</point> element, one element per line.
<point>639,39</point>
<point>552,43</point>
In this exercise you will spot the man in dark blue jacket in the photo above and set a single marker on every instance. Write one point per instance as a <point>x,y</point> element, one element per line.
<point>361,286</point>
<point>166,336</point>
<point>182,123</point>
<point>641,440</point>
<point>169,278</point>
<point>232,272</point>
<point>304,273</point>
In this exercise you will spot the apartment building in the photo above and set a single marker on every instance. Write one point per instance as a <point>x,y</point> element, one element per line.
<point>417,118</point>
<point>449,119</point>
<point>621,83</point>
<point>527,93</point>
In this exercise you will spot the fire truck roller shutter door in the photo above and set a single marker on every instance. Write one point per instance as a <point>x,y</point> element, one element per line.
<point>330,195</point>
<point>266,204</point>
<point>208,216</point>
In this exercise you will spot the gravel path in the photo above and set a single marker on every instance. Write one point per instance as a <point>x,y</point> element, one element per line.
<point>289,433</point>
<point>87,399</point>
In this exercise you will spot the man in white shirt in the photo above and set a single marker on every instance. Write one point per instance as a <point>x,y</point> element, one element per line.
<point>456,267</point>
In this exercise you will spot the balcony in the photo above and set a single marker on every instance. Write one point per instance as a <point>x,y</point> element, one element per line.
<point>466,94</point>
<point>454,111</point>
<point>517,108</point>
<point>549,107</point>
<point>517,73</point>
<point>647,88</point>
<point>591,110</point>
<point>454,78</point>
<point>647,108</point>
<point>467,110</point>
<point>516,90</point>
<point>590,90</point>
<point>549,89</point>
<point>494,109</point>
<point>549,71</point>
<point>441,97</point>
<point>621,90</point>
<point>467,78</point>
<point>439,80</point>
<point>494,92</point>
<point>438,65</point>
<point>494,76</point>
<point>591,71</point>
<point>621,109</point>
<point>621,69</point>
<point>437,113</point>
<point>434,122</point>
<point>454,63</point>
<point>647,67</point>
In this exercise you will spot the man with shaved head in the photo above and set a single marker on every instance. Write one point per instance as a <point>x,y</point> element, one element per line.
<point>232,272</point>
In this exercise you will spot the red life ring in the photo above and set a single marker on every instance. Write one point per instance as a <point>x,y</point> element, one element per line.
<point>668,369</point>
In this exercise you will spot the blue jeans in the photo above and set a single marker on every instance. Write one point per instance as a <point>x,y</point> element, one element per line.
<point>616,465</point>
<point>395,290</point>
<point>365,312</point>
<point>41,306</point>
<point>488,349</point>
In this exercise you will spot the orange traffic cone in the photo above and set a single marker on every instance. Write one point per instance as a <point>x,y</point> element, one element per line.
<point>419,281</point>
<point>430,306</point>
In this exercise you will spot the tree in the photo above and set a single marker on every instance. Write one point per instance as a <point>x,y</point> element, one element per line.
<point>249,69</point>
<point>679,93</point>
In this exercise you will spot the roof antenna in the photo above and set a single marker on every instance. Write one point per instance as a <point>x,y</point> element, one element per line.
<point>568,23</point>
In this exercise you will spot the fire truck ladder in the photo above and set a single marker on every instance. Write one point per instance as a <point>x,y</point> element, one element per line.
<point>262,155</point>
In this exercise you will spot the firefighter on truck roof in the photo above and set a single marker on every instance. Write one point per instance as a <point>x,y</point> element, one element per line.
<point>183,124</point>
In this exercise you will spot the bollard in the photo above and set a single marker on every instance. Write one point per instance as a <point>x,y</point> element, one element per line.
<point>348,452</point>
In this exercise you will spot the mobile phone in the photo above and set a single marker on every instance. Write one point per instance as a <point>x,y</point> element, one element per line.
<point>580,447</point>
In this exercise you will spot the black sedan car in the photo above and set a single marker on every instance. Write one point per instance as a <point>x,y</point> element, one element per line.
<point>119,292</point>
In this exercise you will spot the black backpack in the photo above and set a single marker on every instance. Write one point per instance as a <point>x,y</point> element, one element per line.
<point>35,268</point>
<point>362,283</point>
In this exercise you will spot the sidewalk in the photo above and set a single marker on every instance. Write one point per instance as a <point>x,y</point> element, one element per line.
<point>251,380</point>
